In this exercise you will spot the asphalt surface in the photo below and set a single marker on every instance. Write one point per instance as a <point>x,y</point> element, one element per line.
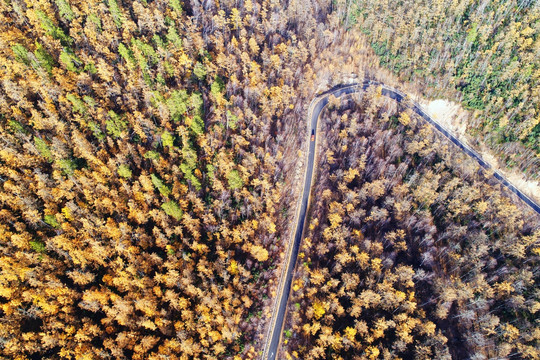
<point>271,349</point>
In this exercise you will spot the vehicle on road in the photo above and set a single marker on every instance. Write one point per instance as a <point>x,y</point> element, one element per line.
<point>312,134</point>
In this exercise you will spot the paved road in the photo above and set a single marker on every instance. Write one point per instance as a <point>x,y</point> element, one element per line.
<point>284,288</point>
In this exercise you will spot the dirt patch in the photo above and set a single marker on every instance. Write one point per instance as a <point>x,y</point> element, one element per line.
<point>448,114</point>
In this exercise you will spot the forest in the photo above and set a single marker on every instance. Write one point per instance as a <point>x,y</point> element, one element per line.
<point>412,251</point>
<point>145,173</point>
<point>484,54</point>
<point>150,157</point>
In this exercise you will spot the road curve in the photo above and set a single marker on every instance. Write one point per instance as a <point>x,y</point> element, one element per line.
<point>318,104</point>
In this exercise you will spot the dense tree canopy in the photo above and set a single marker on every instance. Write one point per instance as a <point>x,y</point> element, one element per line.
<point>484,53</point>
<point>411,251</point>
<point>147,156</point>
<point>150,152</point>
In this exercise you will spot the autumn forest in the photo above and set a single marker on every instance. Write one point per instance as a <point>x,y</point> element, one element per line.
<point>151,162</point>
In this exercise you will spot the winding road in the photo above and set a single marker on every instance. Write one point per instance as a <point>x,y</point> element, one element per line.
<point>318,104</point>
